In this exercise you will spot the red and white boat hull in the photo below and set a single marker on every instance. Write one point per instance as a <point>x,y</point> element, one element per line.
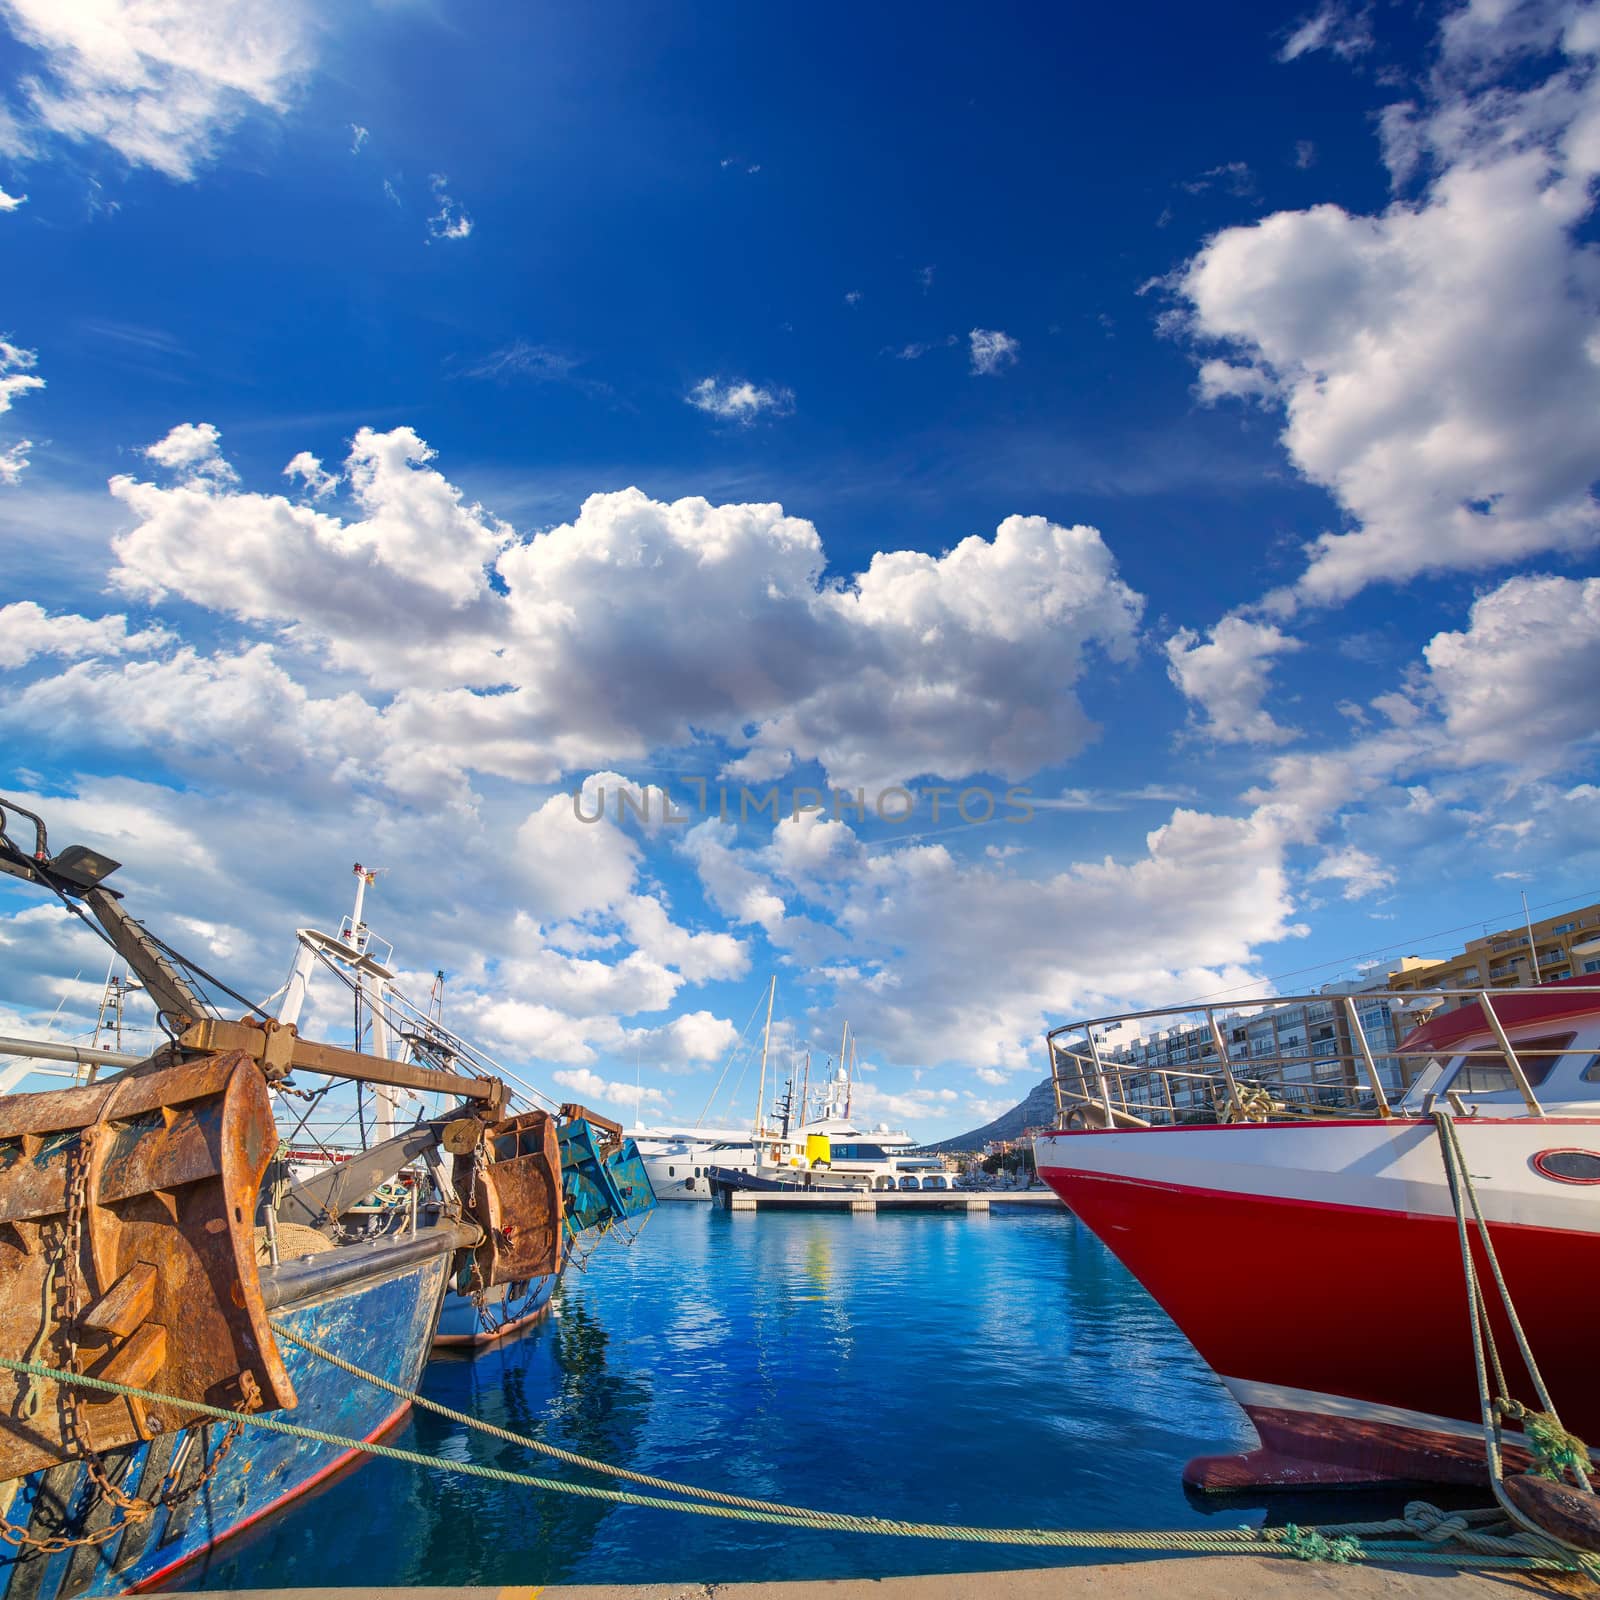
<point>1316,1267</point>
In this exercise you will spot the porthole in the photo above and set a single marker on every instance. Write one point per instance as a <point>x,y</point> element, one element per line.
<point>1568,1166</point>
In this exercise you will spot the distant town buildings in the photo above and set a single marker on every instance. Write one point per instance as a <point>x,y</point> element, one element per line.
<point>1306,1044</point>
<point>1310,1051</point>
<point>1566,945</point>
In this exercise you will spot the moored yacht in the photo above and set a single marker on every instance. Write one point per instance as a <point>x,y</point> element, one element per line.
<point>680,1166</point>
<point>786,1138</point>
<point>676,1158</point>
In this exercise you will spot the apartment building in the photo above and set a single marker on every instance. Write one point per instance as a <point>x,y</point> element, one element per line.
<point>1305,1048</point>
<point>1566,945</point>
<point>1308,1051</point>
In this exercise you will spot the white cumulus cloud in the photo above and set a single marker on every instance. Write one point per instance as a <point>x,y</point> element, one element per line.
<point>584,645</point>
<point>973,957</point>
<point>1360,873</point>
<point>17,376</point>
<point>1343,30</point>
<point>1439,360</point>
<point>992,351</point>
<point>588,1085</point>
<point>27,630</point>
<point>159,81</point>
<point>309,470</point>
<point>1227,380</point>
<point>194,451</point>
<point>1227,676</point>
<point>450,221</point>
<point>739,400</point>
<point>1521,683</point>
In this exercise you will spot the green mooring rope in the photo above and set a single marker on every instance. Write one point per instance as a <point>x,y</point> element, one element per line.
<point>1555,1451</point>
<point>1515,1553</point>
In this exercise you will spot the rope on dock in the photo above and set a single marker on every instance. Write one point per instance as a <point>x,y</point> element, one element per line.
<point>1556,1451</point>
<point>1518,1551</point>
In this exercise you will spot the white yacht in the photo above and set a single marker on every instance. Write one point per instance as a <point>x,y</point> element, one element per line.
<point>676,1159</point>
<point>679,1159</point>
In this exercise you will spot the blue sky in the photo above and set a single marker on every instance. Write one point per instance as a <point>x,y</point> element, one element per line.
<point>1185,416</point>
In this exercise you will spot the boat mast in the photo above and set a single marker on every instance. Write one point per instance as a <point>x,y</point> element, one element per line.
<point>850,1081</point>
<point>761,1088</point>
<point>363,878</point>
<point>805,1088</point>
<point>844,1045</point>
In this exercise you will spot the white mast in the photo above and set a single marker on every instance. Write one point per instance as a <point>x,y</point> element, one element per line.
<point>305,957</point>
<point>838,1083</point>
<point>374,991</point>
<point>294,992</point>
<point>761,1088</point>
<point>351,949</point>
<point>1533,955</point>
<point>363,878</point>
<point>372,983</point>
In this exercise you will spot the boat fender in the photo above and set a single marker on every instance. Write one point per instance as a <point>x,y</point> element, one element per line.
<point>1566,1513</point>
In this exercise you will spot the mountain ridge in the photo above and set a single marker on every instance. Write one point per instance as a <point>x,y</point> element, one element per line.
<point>1036,1108</point>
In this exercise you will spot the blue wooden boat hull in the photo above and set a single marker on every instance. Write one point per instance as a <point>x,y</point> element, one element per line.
<point>462,1323</point>
<point>384,1324</point>
<point>598,1191</point>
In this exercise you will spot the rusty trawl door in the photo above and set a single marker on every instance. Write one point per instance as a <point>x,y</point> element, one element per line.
<point>127,1251</point>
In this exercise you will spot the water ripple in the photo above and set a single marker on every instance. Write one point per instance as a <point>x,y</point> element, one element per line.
<point>997,1370</point>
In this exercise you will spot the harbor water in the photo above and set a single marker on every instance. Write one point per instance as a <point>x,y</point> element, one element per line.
<point>996,1369</point>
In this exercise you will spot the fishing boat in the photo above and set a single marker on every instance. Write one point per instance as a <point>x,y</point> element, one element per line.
<point>141,1246</point>
<point>1302,1220</point>
<point>604,1191</point>
<point>603,1182</point>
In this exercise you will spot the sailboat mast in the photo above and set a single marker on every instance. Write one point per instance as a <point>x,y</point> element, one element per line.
<point>844,1042</point>
<point>850,1082</point>
<point>805,1088</point>
<point>766,1039</point>
<point>844,1045</point>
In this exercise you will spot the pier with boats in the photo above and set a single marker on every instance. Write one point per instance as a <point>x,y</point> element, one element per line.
<point>799,1150</point>
<point>734,1196</point>
<point>227,1262</point>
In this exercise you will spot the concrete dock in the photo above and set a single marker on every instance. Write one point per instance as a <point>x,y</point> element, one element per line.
<point>871,1200</point>
<point>1186,1578</point>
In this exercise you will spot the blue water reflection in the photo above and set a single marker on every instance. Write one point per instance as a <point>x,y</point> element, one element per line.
<point>998,1369</point>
